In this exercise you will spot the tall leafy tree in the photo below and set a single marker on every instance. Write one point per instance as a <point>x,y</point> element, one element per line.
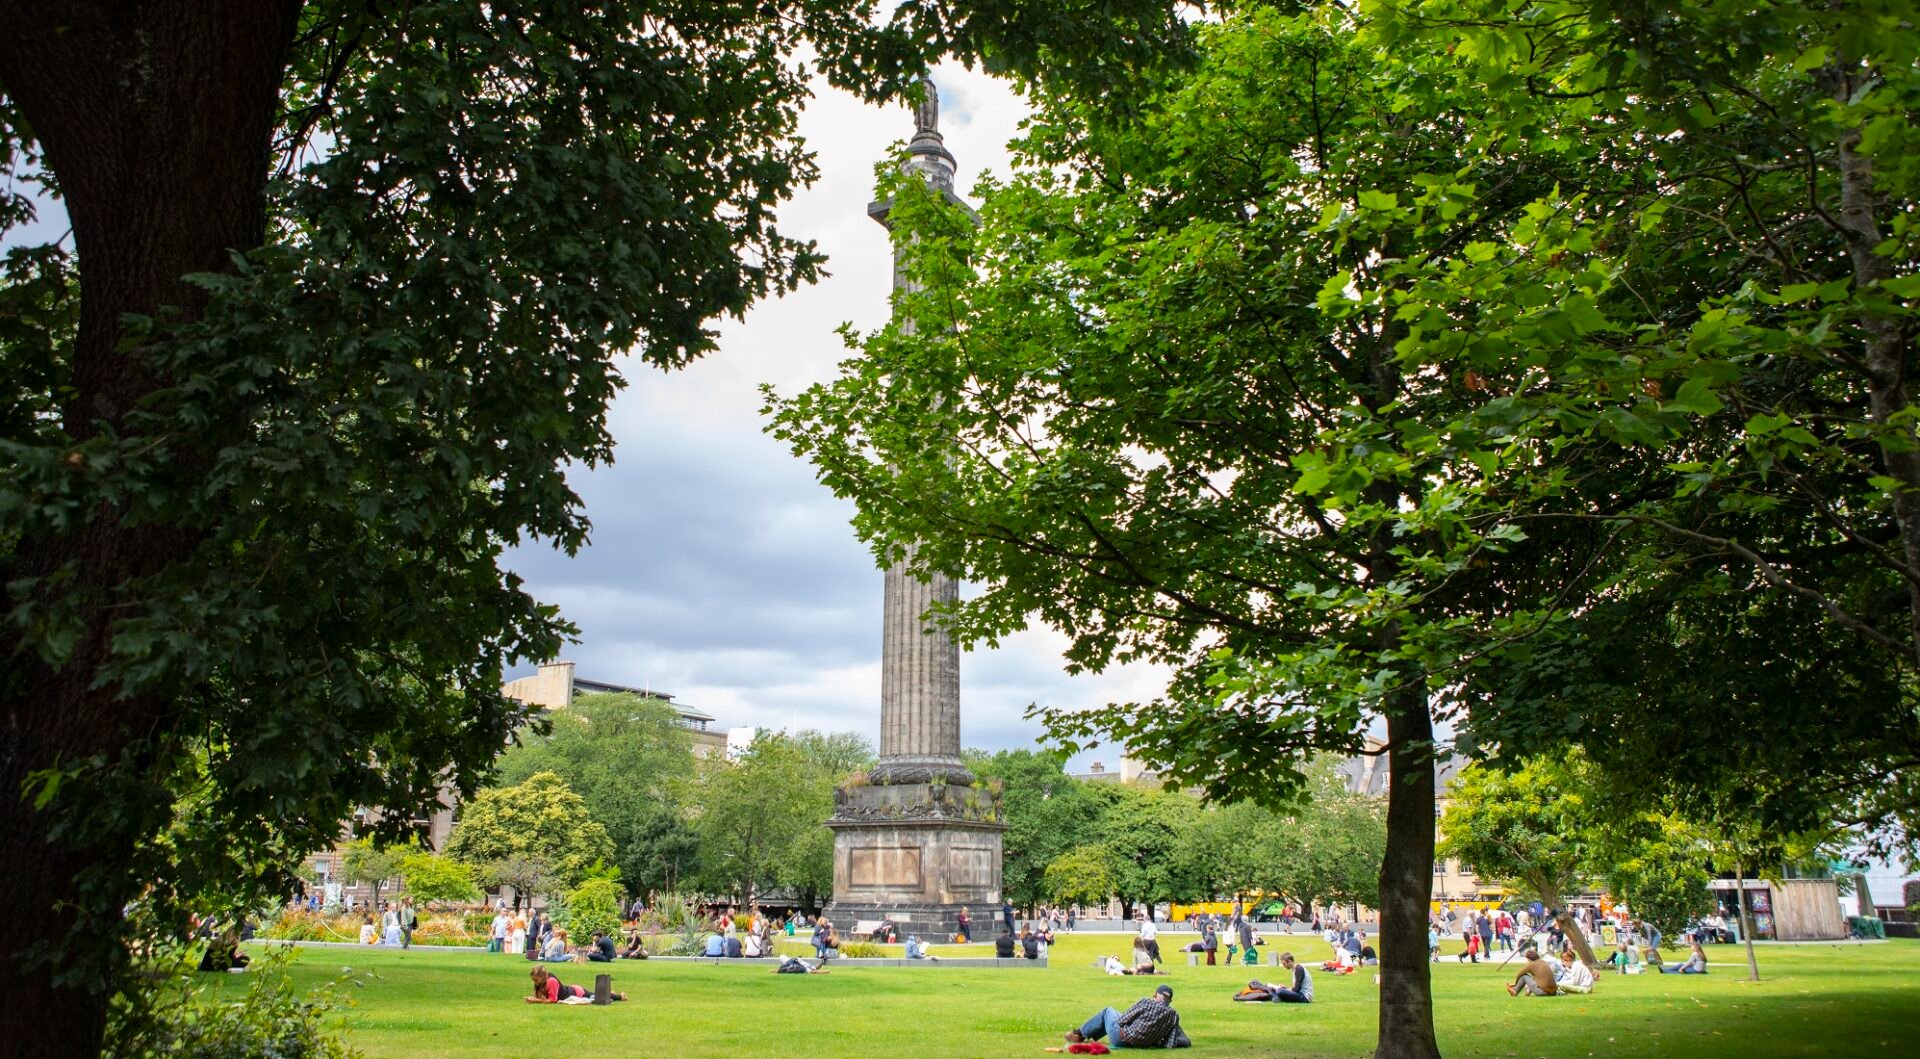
<point>1733,403</point>
<point>628,758</point>
<point>434,879</point>
<point>1156,399</point>
<point>760,818</point>
<point>1531,826</point>
<point>1048,813</point>
<point>345,292</point>
<point>540,820</point>
<point>372,864</point>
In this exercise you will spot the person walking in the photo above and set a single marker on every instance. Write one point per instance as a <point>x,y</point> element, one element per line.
<point>1149,939</point>
<point>409,922</point>
<point>1485,927</point>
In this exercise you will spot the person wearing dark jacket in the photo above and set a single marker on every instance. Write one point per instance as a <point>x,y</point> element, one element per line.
<point>602,949</point>
<point>1003,946</point>
<point>1030,946</point>
<point>1209,940</point>
<point>1149,1023</point>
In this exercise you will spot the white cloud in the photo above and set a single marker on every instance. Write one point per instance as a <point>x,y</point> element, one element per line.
<point>720,571</point>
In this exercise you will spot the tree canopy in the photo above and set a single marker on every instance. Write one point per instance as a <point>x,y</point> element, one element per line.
<point>345,294</point>
<point>629,759</point>
<point>540,820</point>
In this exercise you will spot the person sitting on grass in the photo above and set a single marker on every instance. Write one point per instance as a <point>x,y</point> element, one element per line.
<point>1534,979</point>
<point>1623,956</point>
<point>1576,977</point>
<point>1300,992</point>
<point>1149,1023</point>
<point>716,946</point>
<point>602,950</point>
<point>1003,945</point>
<point>918,951</point>
<point>557,949</point>
<point>1029,945</point>
<point>223,953</point>
<point>635,950</point>
<point>549,989</point>
<point>1696,963</point>
<point>369,934</point>
<point>796,965</point>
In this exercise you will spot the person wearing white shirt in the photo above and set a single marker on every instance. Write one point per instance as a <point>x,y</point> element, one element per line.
<point>1574,976</point>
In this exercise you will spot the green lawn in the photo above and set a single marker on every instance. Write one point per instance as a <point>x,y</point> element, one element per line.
<point>1816,1000</point>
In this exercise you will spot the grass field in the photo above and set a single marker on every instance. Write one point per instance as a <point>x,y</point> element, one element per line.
<point>1814,1000</point>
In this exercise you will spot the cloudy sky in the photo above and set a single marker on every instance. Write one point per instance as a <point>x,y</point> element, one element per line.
<point>720,570</point>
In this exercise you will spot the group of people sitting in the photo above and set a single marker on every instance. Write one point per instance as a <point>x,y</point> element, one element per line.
<point>1031,944</point>
<point>1351,951</point>
<point>1566,973</point>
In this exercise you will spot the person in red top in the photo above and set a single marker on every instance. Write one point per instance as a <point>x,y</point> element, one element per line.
<point>549,989</point>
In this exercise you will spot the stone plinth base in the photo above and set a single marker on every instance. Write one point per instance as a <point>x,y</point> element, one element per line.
<point>918,853</point>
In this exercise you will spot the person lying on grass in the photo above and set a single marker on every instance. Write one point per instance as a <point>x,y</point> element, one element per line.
<point>1300,992</point>
<point>549,989</point>
<point>1150,1023</point>
<point>796,965</point>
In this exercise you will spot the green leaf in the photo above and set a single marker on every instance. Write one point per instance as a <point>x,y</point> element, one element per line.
<point>1902,286</point>
<point>1696,396</point>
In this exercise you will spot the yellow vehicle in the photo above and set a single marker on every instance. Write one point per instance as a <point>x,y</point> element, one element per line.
<point>1262,907</point>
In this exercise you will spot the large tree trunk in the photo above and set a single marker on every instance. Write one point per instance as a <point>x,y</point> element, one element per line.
<point>1887,354</point>
<point>1406,883</point>
<point>1563,918</point>
<point>156,119</point>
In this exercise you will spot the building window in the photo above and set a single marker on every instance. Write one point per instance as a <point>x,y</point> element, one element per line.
<point>1439,867</point>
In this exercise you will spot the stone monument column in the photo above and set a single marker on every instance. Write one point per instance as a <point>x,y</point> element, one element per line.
<point>918,837</point>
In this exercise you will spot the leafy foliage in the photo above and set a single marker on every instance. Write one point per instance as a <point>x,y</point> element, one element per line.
<point>760,819</point>
<point>368,862</point>
<point>174,1016</point>
<point>541,820</point>
<point>1047,812</point>
<point>254,515</point>
<point>1081,875</point>
<point>434,879</point>
<point>592,906</point>
<point>629,759</point>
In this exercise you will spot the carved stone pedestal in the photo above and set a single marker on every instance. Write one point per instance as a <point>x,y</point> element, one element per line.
<point>918,852</point>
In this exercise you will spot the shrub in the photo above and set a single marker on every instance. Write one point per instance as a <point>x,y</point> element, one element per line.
<point>165,1014</point>
<point>302,925</point>
<point>861,950</point>
<point>594,905</point>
